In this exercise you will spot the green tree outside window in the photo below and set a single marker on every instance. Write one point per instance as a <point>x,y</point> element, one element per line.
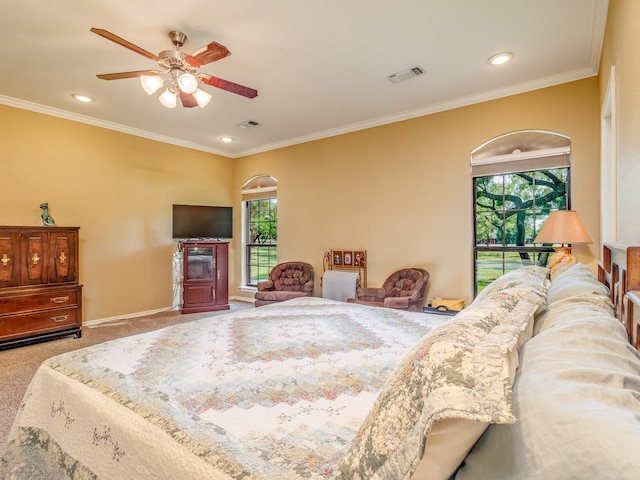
<point>509,211</point>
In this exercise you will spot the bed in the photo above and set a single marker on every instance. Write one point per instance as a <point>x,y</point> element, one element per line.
<point>532,380</point>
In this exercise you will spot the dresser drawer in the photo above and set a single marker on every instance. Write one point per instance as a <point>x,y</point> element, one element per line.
<point>15,326</point>
<point>38,301</point>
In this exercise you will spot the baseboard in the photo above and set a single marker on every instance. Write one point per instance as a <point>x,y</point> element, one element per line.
<point>243,299</point>
<point>98,321</point>
<point>127,316</point>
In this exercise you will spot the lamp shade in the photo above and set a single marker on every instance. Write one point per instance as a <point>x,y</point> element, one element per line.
<point>187,83</point>
<point>168,98</point>
<point>563,226</point>
<point>151,83</point>
<point>202,98</point>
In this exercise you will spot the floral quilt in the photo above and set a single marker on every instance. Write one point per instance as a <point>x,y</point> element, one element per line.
<point>277,392</point>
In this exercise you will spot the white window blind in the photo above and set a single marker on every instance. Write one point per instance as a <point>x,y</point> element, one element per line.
<point>260,187</point>
<point>522,151</point>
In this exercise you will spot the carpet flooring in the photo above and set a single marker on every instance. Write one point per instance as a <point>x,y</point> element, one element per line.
<point>18,365</point>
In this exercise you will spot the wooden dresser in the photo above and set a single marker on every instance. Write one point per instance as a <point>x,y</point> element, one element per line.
<point>40,298</point>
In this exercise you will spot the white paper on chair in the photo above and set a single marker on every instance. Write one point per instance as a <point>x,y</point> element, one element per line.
<point>337,285</point>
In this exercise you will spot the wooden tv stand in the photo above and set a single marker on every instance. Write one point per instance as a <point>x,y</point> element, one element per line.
<point>205,276</point>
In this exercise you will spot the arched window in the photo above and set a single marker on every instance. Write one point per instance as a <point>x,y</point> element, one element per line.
<point>260,227</point>
<point>518,178</point>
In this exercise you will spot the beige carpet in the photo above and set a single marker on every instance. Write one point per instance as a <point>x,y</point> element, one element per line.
<point>18,365</point>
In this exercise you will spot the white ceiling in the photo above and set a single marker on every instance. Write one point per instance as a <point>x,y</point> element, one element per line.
<point>320,67</point>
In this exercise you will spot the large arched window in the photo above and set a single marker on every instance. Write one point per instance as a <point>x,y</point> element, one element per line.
<point>518,178</point>
<point>260,227</point>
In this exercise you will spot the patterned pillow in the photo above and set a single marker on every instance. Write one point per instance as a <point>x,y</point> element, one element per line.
<point>530,275</point>
<point>459,374</point>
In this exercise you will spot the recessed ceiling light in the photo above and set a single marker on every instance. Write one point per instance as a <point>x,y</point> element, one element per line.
<point>501,58</point>
<point>83,98</point>
<point>226,139</point>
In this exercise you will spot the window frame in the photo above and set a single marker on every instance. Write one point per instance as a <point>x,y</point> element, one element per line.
<point>518,152</point>
<point>272,259</point>
<point>504,248</point>
<point>258,187</point>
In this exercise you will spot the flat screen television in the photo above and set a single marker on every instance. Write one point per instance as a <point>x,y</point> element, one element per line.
<point>202,221</point>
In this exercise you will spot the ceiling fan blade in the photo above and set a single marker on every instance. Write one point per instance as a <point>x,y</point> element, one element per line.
<point>187,100</point>
<point>125,43</point>
<point>118,76</point>
<point>228,86</point>
<point>210,53</point>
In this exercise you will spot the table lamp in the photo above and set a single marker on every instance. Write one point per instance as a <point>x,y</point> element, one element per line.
<point>562,227</point>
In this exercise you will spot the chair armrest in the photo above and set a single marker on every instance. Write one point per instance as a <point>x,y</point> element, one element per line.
<point>265,285</point>
<point>398,302</point>
<point>308,287</point>
<point>370,293</point>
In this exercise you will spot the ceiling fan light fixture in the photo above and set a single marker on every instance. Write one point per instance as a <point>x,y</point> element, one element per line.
<point>151,83</point>
<point>180,69</point>
<point>188,83</point>
<point>168,98</point>
<point>202,98</point>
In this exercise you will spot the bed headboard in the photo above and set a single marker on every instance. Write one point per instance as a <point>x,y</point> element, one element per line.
<point>619,269</point>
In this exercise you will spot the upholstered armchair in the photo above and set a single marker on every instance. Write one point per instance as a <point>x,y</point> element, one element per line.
<point>403,289</point>
<point>286,280</point>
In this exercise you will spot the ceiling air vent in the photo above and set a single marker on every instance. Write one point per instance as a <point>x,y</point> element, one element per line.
<point>405,74</point>
<point>248,124</point>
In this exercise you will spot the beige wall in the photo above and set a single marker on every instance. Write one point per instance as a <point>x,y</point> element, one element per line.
<point>621,47</point>
<point>403,191</point>
<point>118,189</point>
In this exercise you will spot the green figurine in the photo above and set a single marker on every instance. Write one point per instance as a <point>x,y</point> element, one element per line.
<point>47,219</point>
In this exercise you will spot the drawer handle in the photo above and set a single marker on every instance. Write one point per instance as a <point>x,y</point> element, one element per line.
<point>60,299</point>
<point>59,318</point>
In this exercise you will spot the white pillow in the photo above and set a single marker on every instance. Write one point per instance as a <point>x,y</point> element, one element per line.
<point>578,279</point>
<point>577,399</point>
<point>577,284</point>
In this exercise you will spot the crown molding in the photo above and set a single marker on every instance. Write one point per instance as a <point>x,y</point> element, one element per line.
<point>372,123</point>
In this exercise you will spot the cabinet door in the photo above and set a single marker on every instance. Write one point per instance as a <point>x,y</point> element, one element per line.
<point>62,262</point>
<point>198,294</point>
<point>199,263</point>
<point>222,273</point>
<point>9,259</point>
<point>34,248</point>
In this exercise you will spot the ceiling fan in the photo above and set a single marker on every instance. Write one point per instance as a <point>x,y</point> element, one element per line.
<point>180,69</point>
